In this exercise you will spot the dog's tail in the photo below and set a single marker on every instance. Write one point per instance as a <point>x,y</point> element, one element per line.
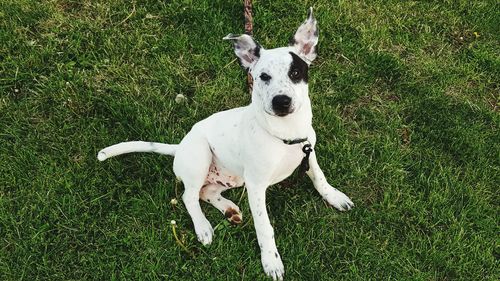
<point>136,146</point>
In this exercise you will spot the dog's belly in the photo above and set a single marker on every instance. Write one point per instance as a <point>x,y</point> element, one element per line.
<point>218,174</point>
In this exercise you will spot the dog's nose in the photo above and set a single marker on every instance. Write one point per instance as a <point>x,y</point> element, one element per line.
<point>281,104</point>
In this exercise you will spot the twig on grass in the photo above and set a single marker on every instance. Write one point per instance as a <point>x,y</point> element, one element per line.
<point>179,242</point>
<point>129,15</point>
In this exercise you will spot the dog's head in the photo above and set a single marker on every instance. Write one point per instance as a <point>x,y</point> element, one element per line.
<point>279,75</point>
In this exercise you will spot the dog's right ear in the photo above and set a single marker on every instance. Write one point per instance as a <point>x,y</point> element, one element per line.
<point>246,49</point>
<point>305,40</point>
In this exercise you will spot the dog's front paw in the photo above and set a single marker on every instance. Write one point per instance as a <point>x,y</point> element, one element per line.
<point>204,232</point>
<point>338,200</point>
<point>273,266</point>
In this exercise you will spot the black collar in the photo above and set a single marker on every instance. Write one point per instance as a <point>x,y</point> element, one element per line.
<point>294,141</point>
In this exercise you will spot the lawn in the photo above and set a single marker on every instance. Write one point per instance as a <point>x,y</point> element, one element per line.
<point>406,101</point>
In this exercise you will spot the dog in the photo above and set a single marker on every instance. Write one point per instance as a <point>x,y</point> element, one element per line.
<point>257,145</point>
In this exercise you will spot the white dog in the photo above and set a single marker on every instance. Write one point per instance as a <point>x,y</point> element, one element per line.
<point>257,145</point>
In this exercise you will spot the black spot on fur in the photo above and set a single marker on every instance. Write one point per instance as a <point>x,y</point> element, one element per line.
<point>298,69</point>
<point>265,77</point>
<point>256,52</point>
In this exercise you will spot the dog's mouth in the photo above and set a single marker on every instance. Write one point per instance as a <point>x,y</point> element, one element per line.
<point>279,113</point>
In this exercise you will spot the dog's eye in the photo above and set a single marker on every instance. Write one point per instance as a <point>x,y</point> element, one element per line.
<point>265,77</point>
<point>294,74</point>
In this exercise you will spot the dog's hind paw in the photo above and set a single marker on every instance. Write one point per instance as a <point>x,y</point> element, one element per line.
<point>338,200</point>
<point>233,215</point>
<point>273,266</point>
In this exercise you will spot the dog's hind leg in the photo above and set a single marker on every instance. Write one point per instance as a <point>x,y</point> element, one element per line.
<point>204,230</point>
<point>191,163</point>
<point>211,193</point>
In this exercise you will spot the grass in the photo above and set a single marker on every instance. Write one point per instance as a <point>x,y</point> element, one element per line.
<point>406,103</point>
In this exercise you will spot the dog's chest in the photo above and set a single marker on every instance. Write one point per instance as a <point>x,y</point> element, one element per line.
<point>290,160</point>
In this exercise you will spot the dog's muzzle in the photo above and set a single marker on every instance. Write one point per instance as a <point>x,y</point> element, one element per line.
<point>282,105</point>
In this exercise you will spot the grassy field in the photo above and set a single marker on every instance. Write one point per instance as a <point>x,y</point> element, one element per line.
<point>406,108</point>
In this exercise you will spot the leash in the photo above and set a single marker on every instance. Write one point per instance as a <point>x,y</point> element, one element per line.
<point>304,164</point>
<point>247,10</point>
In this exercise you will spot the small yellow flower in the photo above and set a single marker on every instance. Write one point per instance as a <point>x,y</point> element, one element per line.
<point>180,98</point>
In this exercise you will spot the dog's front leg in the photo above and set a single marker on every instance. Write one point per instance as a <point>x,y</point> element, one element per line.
<point>271,260</point>
<point>333,196</point>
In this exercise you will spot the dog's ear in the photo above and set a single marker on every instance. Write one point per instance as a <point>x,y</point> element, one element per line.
<point>246,49</point>
<point>305,39</point>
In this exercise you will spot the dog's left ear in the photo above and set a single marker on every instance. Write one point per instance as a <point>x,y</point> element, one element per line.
<point>246,49</point>
<point>305,39</point>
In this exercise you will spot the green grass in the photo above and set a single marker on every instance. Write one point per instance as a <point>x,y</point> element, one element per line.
<point>406,108</point>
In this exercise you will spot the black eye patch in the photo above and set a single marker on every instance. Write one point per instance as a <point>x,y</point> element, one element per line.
<point>265,77</point>
<point>298,69</point>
